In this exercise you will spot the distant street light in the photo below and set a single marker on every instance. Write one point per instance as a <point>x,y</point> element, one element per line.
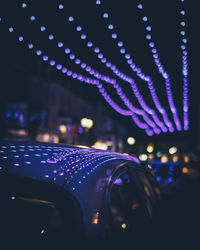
<point>63,128</point>
<point>150,148</point>
<point>164,159</point>
<point>131,140</point>
<point>87,123</point>
<point>173,150</point>
<point>143,157</point>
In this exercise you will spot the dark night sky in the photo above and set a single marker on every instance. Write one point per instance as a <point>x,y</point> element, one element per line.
<point>125,16</point>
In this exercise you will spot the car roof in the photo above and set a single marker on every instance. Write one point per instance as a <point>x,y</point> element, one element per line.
<point>57,163</point>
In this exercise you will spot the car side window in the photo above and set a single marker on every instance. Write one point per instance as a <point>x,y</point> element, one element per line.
<point>124,201</point>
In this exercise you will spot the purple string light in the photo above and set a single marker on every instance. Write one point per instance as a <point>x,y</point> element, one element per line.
<point>136,92</point>
<point>115,85</point>
<point>93,82</point>
<point>144,77</point>
<point>161,70</point>
<point>184,70</point>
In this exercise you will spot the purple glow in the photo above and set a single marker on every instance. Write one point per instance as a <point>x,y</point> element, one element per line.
<point>60,44</point>
<point>20,38</point>
<point>51,37</point>
<point>52,62</point>
<point>60,7</point>
<point>71,19</point>
<point>114,35</point>
<point>30,45</point>
<point>67,51</point>
<point>83,36</point>
<point>11,29</point>
<point>78,28</point>
<point>42,28</point>
<point>59,66</point>
<point>45,58</point>
<point>32,18</point>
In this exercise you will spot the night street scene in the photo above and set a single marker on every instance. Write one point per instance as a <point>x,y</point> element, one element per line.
<point>99,124</point>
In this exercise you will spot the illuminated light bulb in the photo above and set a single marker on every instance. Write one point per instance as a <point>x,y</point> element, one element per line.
<point>123,226</point>
<point>60,44</point>
<point>110,27</point>
<point>60,7</point>
<point>186,159</point>
<point>127,56</point>
<point>32,18</point>
<point>30,45</point>
<point>96,50</point>
<point>151,157</point>
<point>42,28</point>
<point>164,159</point>
<point>185,170</point>
<point>71,19</point>
<point>20,38</point>
<point>98,2</point>
<point>148,36</point>
<point>24,5</point>
<point>182,32</point>
<point>175,158</point>
<point>11,29</point>
<point>64,70</point>
<point>131,140</point>
<point>45,58</point>
<point>38,52</point>
<point>182,12</point>
<point>182,24</point>
<point>150,148</point>
<point>143,157</point>
<point>122,51</point>
<point>63,128</point>
<point>51,37</point>
<point>86,123</point>
<point>148,28</point>
<point>144,19</point>
<point>67,51</point>
<point>105,15</point>
<point>78,28</point>
<point>52,62</point>
<point>77,61</point>
<point>89,44</point>
<point>83,36</point>
<point>172,150</point>
<point>120,44</point>
<point>139,6</point>
<point>72,56</point>
<point>59,66</point>
<point>114,35</point>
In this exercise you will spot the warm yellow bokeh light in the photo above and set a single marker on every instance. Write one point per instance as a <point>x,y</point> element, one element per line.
<point>143,157</point>
<point>186,159</point>
<point>173,150</point>
<point>175,158</point>
<point>150,148</point>
<point>164,159</point>
<point>63,128</point>
<point>131,141</point>
<point>86,123</point>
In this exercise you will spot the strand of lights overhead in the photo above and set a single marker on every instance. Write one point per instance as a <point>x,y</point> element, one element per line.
<point>87,80</point>
<point>131,81</point>
<point>161,68</point>
<point>140,74</point>
<point>118,89</point>
<point>184,67</point>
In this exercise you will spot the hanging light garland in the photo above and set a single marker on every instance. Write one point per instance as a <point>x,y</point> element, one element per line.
<point>87,80</point>
<point>107,79</point>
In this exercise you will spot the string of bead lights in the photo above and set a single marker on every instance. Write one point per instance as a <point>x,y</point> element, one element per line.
<point>88,80</point>
<point>150,126</point>
<point>138,70</point>
<point>107,79</point>
<point>160,67</point>
<point>184,67</point>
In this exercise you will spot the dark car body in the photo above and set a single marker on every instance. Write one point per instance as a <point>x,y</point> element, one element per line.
<point>54,193</point>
